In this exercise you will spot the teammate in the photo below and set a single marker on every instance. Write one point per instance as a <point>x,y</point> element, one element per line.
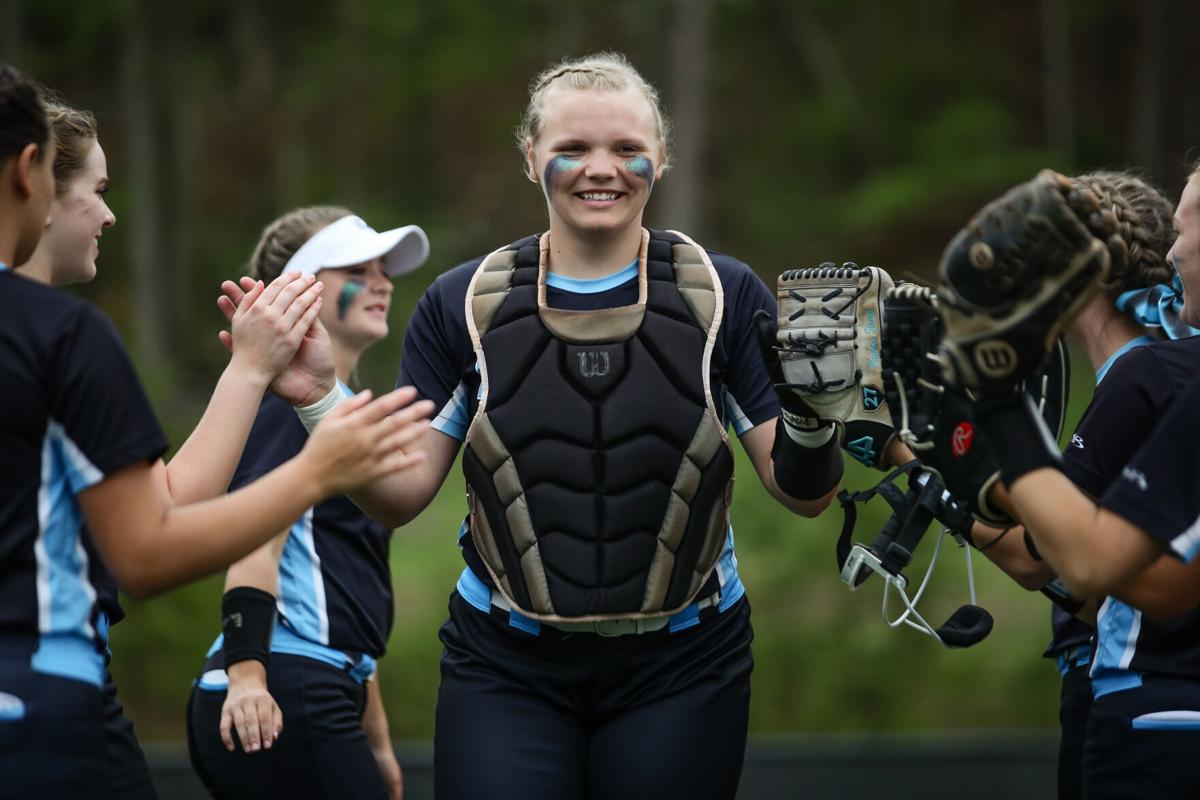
<point>1134,383</point>
<point>80,444</point>
<point>308,668</point>
<point>1144,725</point>
<point>599,638</point>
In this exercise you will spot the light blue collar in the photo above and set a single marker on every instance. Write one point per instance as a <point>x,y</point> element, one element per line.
<point>3,266</point>
<point>592,285</point>
<point>1122,350</point>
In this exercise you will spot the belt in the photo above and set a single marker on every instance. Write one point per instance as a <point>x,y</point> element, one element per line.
<point>613,627</point>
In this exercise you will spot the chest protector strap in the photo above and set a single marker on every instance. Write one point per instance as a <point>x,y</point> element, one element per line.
<point>598,470</point>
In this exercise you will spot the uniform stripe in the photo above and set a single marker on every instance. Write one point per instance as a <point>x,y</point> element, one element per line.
<point>301,586</point>
<point>452,419</point>
<point>1117,629</point>
<point>65,596</point>
<point>733,413</point>
<point>1187,544</point>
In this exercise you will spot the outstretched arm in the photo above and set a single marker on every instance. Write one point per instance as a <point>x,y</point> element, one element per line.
<point>151,545</point>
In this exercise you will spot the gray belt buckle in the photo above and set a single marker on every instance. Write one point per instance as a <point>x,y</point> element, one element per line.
<point>610,628</point>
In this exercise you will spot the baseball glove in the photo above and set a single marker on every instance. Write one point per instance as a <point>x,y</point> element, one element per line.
<point>937,420</point>
<point>828,344</point>
<point>1015,275</point>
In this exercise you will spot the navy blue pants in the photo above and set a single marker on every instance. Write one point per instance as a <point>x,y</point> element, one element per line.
<point>128,773</point>
<point>577,715</point>
<point>1075,703</point>
<point>322,752</point>
<point>52,741</point>
<point>1144,742</point>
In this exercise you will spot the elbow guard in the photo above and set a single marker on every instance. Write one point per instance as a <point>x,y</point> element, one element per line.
<point>247,622</point>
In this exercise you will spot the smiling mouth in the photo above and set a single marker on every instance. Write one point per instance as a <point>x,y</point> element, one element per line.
<point>599,196</point>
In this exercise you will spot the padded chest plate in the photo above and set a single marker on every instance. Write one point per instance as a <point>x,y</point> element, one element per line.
<point>599,471</point>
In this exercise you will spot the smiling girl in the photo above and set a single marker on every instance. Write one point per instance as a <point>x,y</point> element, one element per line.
<point>292,682</point>
<point>598,643</point>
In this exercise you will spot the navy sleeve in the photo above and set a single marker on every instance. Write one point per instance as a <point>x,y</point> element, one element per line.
<point>1156,490</point>
<point>1124,410</point>
<point>438,352</point>
<point>277,436</point>
<point>99,401</point>
<point>750,399</point>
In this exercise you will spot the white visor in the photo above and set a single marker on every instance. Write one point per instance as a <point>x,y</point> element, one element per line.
<point>350,241</point>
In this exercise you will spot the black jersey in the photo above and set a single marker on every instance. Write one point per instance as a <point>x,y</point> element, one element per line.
<point>439,362</point>
<point>1157,489</point>
<point>335,585</point>
<point>72,412</point>
<point>1129,403</point>
<point>1113,424</point>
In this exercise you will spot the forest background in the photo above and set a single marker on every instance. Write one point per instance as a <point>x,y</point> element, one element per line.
<point>805,131</point>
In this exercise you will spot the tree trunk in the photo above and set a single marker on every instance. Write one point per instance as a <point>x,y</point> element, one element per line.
<point>1149,77</point>
<point>687,96</point>
<point>149,87</point>
<point>1058,102</point>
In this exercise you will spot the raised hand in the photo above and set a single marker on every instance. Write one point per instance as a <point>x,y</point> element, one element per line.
<point>268,323</point>
<point>309,375</point>
<point>362,440</point>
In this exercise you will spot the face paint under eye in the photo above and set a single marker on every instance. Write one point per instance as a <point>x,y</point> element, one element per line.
<point>642,167</point>
<point>557,166</point>
<point>350,290</point>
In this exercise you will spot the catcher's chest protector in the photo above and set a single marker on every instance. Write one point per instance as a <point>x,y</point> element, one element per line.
<point>598,470</point>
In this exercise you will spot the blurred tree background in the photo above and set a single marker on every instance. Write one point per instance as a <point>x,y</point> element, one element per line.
<point>806,131</point>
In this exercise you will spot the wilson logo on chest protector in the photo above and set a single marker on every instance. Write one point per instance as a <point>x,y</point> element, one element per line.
<point>961,439</point>
<point>593,364</point>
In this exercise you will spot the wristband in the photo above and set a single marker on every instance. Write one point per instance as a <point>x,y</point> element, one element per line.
<point>310,415</point>
<point>247,622</point>
<point>805,473</point>
<point>1018,437</point>
<point>802,434</point>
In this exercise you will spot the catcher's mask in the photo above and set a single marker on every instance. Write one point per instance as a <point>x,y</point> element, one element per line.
<point>912,513</point>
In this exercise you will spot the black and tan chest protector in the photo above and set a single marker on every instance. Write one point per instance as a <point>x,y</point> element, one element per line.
<point>599,472</point>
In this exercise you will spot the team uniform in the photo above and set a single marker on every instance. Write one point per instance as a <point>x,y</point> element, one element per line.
<point>73,413</point>
<point>1136,660</point>
<point>334,613</point>
<point>1071,646</point>
<point>531,708</point>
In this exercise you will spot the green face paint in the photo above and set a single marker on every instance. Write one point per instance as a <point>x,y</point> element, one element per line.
<point>642,167</point>
<point>350,290</point>
<point>556,167</point>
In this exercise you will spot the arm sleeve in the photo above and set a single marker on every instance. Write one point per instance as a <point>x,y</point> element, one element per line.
<point>1123,412</point>
<point>105,417</point>
<point>437,350</point>
<point>750,399</point>
<point>1156,490</point>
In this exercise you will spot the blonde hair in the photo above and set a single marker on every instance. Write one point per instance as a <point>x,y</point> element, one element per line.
<point>282,238</point>
<point>609,72</point>
<point>1144,228</point>
<point>74,133</point>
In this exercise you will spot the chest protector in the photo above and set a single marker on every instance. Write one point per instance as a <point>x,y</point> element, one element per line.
<point>598,470</point>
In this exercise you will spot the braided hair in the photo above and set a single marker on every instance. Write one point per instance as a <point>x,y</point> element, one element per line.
<point>603,71</point>
<point>282,238</point>
<point>74,132</point>
<point>1145,231</point>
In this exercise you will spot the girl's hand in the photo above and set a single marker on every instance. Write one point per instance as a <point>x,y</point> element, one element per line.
<point>362,440</point>
<point>308,376</point>
<point>268,323</point>
<point>389,768</point>
<point>250,709</point>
